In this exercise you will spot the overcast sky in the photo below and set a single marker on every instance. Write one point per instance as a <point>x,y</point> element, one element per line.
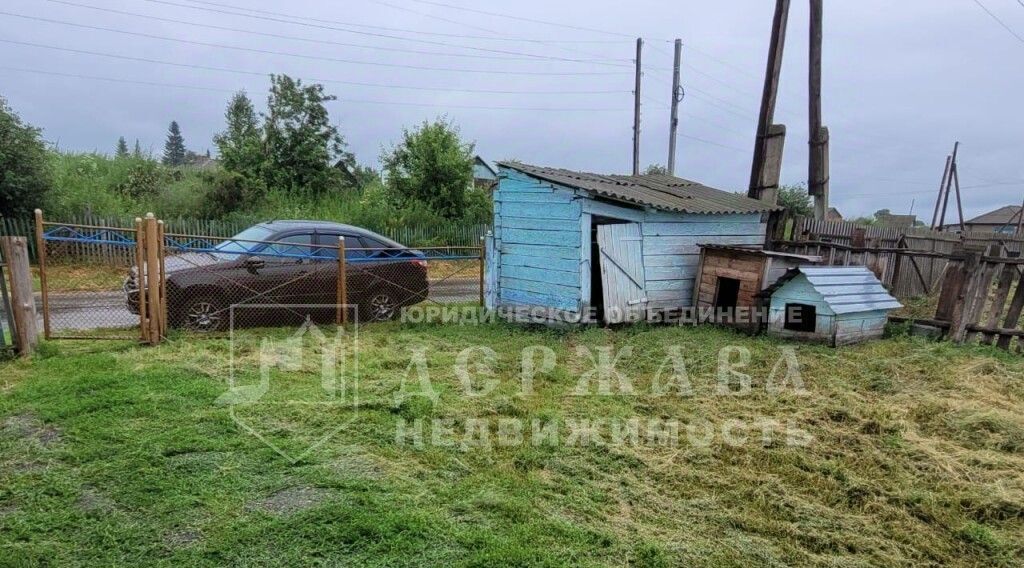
<point>902,81</point>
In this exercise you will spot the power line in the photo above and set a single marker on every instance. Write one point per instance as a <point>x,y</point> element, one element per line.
<point>366,26</point>
<point>523,19</point>
<point>315,57</point>
<point>344,100</point>
<point>1001,23</point>
<point>265,74</point>
<point>293,21</point>
<point>442,19</point>
<point>288,37</point>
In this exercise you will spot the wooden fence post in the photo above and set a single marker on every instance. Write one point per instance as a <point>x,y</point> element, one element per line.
<point>965,281</point>
<point>163,279</point>
<point>342,299</point>
<point>41,261</point>
<point>140,277</point>
<point>483,262</point>
<point>15,250</point>
<point>153,277</point>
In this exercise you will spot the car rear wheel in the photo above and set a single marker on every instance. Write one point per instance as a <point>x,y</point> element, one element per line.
<point>381,306</point>
<point>204,314</point>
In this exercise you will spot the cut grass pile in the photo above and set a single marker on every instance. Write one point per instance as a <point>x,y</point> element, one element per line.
<point>113,453</point>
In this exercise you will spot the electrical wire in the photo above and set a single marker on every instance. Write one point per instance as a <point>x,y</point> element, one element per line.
<point>266,74</point>
<point>351,24</point>
<point>522,19</point>
<point>344,100</point>
<point>288,37</point>
<point>322,58</point>
<point>293,21</point>
<point>999,21</point>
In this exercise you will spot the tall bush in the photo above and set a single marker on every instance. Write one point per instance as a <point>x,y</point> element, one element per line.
<point>24,173</point>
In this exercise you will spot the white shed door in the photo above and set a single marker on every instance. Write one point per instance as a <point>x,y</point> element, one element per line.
<point>622,271</point>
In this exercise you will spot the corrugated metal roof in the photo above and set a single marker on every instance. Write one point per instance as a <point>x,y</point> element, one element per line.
<point>655,190</point>
<point>847,289</point>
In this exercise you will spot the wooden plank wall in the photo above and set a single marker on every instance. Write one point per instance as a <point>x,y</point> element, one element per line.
<point>537,242</point>
<point>672,251</point>
<point>747,268</point>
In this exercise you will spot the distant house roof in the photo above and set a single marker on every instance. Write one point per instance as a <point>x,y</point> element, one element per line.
<point>834,214</point>
<point>655,190</point>
<point>1001,216</point>
<point>481,165</point>
<point>846,289</point>
<point>901,221</point>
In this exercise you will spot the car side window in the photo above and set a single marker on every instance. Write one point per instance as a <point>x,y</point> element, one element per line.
<point>292,246</point>
<point>376,248</point>
<point>329,242</point>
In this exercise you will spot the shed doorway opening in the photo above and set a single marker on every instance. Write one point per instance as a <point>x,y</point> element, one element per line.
<point>617,287</point>
<point>801,317</point>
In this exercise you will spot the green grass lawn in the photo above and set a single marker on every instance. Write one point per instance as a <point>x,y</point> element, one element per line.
<point>113,453</point>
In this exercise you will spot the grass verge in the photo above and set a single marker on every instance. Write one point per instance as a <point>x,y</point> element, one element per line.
<point>112,453</point>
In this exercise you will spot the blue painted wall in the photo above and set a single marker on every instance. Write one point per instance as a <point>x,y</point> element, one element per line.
<point>542,252</point>
<point>537,243</point>
<point>837,329</point>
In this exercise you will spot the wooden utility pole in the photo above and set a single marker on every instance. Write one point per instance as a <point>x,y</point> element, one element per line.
<point>818,170</point>
<point>677,97</point>
<point>949,186</point>
<point>767,164</point>
<point>636,109</point>
<point>942,189</point>
<point>1020,220</point>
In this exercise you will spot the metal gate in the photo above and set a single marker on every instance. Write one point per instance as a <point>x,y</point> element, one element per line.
<point>82,270</point>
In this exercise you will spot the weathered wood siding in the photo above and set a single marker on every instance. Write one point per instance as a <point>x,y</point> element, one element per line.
<point>745,267</point>
<point>672,251</point>
<point>861,326</point>
<point>800,291</point>
<point>537,243</point>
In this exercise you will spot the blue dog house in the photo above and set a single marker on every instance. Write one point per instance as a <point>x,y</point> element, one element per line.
<point>577,243</point>
<point>835,305</point>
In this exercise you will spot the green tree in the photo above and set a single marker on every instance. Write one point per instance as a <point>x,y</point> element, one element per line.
<point>301,145</point>
<point>24,169</point>
<point>174,148</point>
<point>796,199</point>
<point>122,148</point>
<point>137,152</point>
<point>431,166</point>
<point>240,145</point>
<point>656,169</point>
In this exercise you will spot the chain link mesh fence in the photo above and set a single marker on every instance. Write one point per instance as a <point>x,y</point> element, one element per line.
<point>81,278</point>
<point>93,286</point>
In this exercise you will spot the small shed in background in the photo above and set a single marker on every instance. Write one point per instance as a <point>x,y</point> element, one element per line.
<point>484,174</point>
<point>571,241</point>
<point>732,276</point>
<point>835,305</point>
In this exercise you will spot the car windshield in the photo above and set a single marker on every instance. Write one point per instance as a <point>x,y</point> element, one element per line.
<point>240,243</point>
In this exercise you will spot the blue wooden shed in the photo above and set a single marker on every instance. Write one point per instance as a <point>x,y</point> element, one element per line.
<point>836,305</point>
<point>609,246</point>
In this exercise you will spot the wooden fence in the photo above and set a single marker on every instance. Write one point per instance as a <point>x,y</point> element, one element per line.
<point>453,234</point>
<point>982,298</point>
<point>910,262</point>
